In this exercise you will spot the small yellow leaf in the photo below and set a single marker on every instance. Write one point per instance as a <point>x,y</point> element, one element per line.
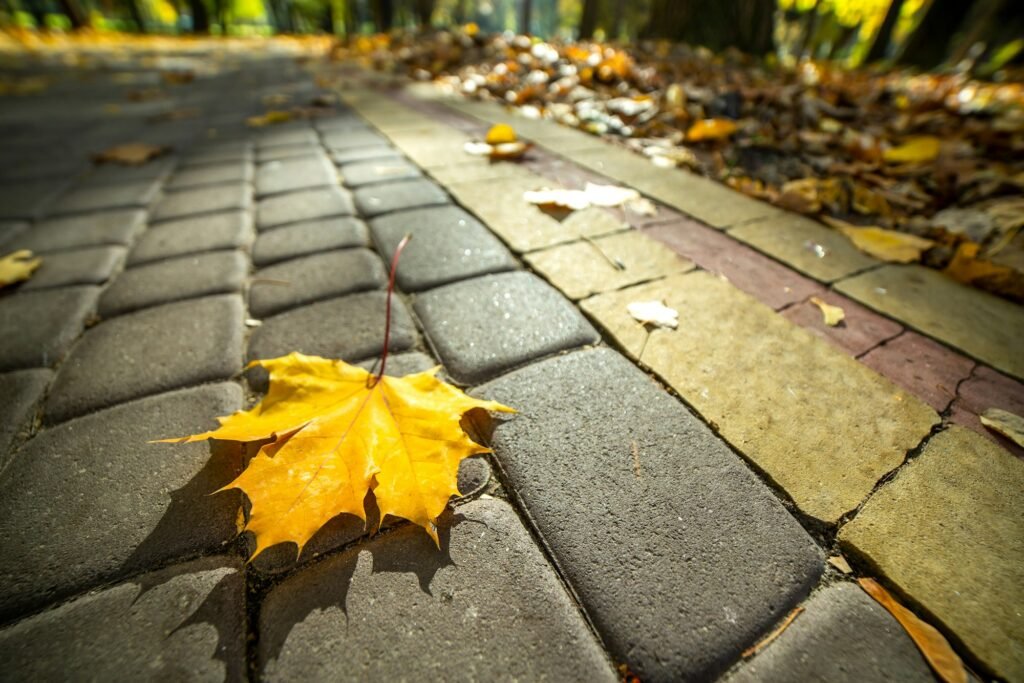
<point>833,315</point>
<point>131,154</point>
<point>916,150</point>
<point>710,129</point>
<point>933,646</point>
<point>886,245</point>
<point>270,118</point>
<point>500,134</point>
<point>17,267</point>
<point>1006,423</point>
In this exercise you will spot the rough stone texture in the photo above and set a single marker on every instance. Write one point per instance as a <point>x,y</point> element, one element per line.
<point>232,173</point>
<point>483,327</point>
<point>448,245</point>
<point>313,237</point>
<point>113,174</point>
<point>219,153</point>
<point>300,173</point>
<point>766,280</point>
<point>122,195</point>
<point>948,531</point>
<point>28,199</point>
<point>352,139</point>
<point>375,200</point>
<point>93,499</point>
<point>80,267</point>
<point>182,623</point>
<point>20,392</point>
<point>314,278</point>
<point>350,328</point>
<point>193,235</point>
<point>979,324</point>
<point>189,277</point>
<point>817,422</point>
<point>860,331</point>
<point>798,241</point>
<point>147,352</point>
<point>378,171</point>
<point>501,609</point>
<point>39,327</point>
<point>306,205</point>
<point>357,154</point>
<point>203,200</point>
<point>10,229</point>
<point>283,152</point>
<point>300,134</point>
<point>843,636</point>
<point>680,556</point>
<point>581,269</point>
<point>76,232</point>
<point>926,369</point>
<point>986,389</point>
<point>476,169</point>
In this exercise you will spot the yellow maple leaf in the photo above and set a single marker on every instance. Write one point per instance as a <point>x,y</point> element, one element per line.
<point>339,431</point>
<point>17,266</point>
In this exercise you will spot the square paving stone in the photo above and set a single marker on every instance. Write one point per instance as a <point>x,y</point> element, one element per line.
<point>29,200</point>
<point>378,171</point>
<point>501,609</point>
<point>353,138</point>
<point>147,352</point>
<point>985,389</point>
<point>188,277</point>
<point>203,200</point>
<point>93,500</point>
<point>819,424</point>
<point>860,330</point>
<point>287,175</point>
<point>89,230</point>
<point>192,235</point>
<point>124,195</point>
<point>581,269</point>
<point>112,174</point>
<point>978,323</point>
<point>282,152</point>
<point>218,153</point>
<point>947,531</point>
<point>314,278</point>
<point>374,200</point>
<point>297,135</point>
<point>305,205</point>
<point>923,367</point>
<point>356,154</point>
<point>843,636</point>
<point>678,553</point>
<point>483,327</point>
<point>185,622</point>
<point>302,239</point>
<point>350,328</point>
<point>10,229</point>
<point>448,244</point>
<point>39,327</point>
<point>20,392</point>
<point>215,174</point>
<point>79,267</point>
<point>475,169</point>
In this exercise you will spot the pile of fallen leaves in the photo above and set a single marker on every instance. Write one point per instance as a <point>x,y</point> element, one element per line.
<point>934,164</point>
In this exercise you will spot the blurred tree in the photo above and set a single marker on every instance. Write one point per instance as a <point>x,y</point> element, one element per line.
<point>200,17</point>
<point>525,15</point>
<point>383,12</point>
<point>931,42</point>
<point>588,20</point>
<point>78,17</point>
<point>424,10</point>
<point>134,8</point>
<point>717,24</point>
<point>883,38</point>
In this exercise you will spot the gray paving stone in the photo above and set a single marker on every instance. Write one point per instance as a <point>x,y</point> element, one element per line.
<point>287,152</point>
<point>111,174</point>
<point>39,327</point>
<point>92,500</point>
<point>203,200</point>
<point>219,153</point>
<point>302,239</point>
<point>483,327</point>
<point>288,175</point>
<point>375,200</point>
<point>20,392</point>
<point>353,139</point>
<point>379,171</point>
<point>350,328</point>
<point>28,200</point>
<point>192,235</point>
<point>10,229</point>
<point>300,135</point>
<point>75,232</point>
<point>447,245</point>
<point>314,278</point>
<point>843,636</point>
<point>123,195</point>
<point>147,352</point>
<point>188,277</point>
<point>306,205</point>
<point>344,156</point>
<point>92,266</point>
<point>502,611</point>
<point>199,176</point>
<point>182,623</point>
<point>345,120</point>
<point>679,554</point>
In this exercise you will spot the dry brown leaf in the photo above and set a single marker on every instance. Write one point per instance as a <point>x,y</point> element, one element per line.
<point>969,269</point>
<point>17,266</point>
<point>1006,423</point>
<point>131,154</point>
<point>768,639</point>
<point>933,646</point>
<point>886,245</point>
<point>840,563</point>
<point>833,315</point>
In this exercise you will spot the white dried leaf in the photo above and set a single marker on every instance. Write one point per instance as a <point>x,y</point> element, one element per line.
<point>610,195</point>
<point>654,313</point>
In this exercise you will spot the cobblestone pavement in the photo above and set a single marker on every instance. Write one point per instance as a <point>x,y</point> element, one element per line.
<point>663,499</point>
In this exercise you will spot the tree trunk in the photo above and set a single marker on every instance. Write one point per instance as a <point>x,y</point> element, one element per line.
<point>135,10</point>
<point>929,44</point>
<point>74,12</point>
<point>618,13</point>
<point>525,16</point>
<point>383,15</point>
<point>200,17</point>
<point>424,12</point>
<point>588,19</point>
<point>808,27</point>
<point>980,25</point>
<point>459,14</point>
<point>880,46</point>
<point>717,24</point>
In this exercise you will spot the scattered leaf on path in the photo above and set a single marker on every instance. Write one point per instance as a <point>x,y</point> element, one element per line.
<point>933,646</point>
<point>966,267</point>
<point>1006,423</point>
<point>338,432</point>
<point>609,195</point>
<point>269,119</point>
<point>885,245</point>
<point>917,150</point>
<point>654,313</point>
<point>840,563</point>
<point>499,134</point>
<point>642,207</point>
<point>768,639</point>
<point>710,129</point>
<point>576,200</point>
<point>833,315</point>
<point>17,267</point>
<point>131,154</point>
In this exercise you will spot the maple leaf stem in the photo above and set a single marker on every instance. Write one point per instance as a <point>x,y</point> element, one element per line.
<point>387,315</point>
